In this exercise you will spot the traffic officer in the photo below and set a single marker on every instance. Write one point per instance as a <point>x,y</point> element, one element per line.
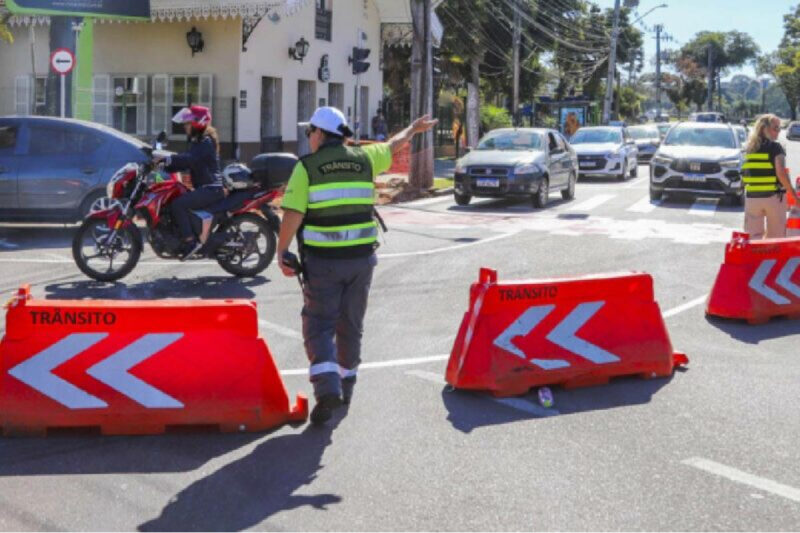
<point>329,205</point>
<point>765,181</point>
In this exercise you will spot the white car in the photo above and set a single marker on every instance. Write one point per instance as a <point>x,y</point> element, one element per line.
<point>703,159</point>
<point>605,151</point>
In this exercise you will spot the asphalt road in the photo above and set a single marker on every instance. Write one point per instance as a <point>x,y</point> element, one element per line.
<point>714,447</point>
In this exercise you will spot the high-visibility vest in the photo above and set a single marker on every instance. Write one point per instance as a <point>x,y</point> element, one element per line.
<point>759,177</point>
<point>339,221</point>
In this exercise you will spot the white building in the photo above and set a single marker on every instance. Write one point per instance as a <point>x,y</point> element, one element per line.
<point>257,92</point>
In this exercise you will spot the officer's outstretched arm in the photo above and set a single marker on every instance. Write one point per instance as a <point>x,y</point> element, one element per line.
<point>292,220</point>
<point>421,125</point>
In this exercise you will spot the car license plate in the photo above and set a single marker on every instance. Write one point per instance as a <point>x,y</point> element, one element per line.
<point>694,167</point>
<point>694,177</point>
<point>587,164</point>
<point>488,182</point>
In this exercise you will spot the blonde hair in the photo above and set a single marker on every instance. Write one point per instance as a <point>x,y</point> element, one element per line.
<point>757,136</point>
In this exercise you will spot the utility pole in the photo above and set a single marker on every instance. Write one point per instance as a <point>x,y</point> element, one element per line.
<point>659,29</point>
<point>612,65</point>
<point>710,105</point>
<point>421,171</point>
<point>516,43</point>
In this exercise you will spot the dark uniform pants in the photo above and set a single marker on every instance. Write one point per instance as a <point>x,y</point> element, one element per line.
<point>336,296</point>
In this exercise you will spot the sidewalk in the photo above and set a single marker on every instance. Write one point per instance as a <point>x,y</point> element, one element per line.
<point>393,188</point>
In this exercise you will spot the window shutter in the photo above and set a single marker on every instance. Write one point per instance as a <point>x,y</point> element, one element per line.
<point>101,99</point>
<point>161,99</point>
<point>206,90</point>
<point>141,105</point>
<point>22,95</point>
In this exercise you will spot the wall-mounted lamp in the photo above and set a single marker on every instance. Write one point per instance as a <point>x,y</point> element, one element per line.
<point>300,50</point>
<point>195,40</point>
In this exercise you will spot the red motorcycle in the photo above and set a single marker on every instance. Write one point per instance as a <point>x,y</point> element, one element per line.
<point>240,231</point>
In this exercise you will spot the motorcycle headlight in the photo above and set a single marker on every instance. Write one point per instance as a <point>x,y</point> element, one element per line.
<point>731,163</point>
<point>527,168</point>
<point>662,160</point>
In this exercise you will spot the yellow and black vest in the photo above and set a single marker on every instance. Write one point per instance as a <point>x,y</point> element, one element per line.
<point>759,176</point>
<point>339,222</point>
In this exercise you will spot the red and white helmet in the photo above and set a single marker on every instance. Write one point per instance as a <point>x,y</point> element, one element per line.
<point>198,116</point>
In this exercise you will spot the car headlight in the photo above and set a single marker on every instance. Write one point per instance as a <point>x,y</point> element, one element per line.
<point>662,160</point>
<point>461,168</point>
<point>612,155</point>
<point>527,168</point>
<point>731,163</point>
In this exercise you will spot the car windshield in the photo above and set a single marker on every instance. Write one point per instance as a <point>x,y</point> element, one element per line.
<point>511,140</point>
<point>699,136</point>
<point>596,136</point>
<point>643,132</point>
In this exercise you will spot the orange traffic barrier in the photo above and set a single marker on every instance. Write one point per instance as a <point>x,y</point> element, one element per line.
<point>124,367</point>
<point>758,280</point>
<point>569,332</point>
<point>793,217</point>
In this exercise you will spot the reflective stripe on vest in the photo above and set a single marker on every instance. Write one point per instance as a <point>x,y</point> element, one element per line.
<point>340,236</point>
<point>759,174</point>
<point>335,194</point>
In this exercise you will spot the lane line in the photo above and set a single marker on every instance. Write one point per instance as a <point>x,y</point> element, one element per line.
<point>280,330</point>
<point>685,307</point>
<point>592,203</point>
<point>379,364</point>
<point>645,205</point>
<point>448,248</point>
<point>429,201</point>
<point>739,476</point>
<point>704,208</point>
<point>519,404</point>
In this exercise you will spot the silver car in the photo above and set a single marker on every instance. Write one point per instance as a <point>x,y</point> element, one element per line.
<point>647,138</point>
<point>520,162</point>
<point>703,159</point>
<point>56,169</point>
<point>605,151</point>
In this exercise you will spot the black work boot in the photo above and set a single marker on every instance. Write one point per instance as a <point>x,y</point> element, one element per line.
<point>323,411</point>
<point>348,384</point>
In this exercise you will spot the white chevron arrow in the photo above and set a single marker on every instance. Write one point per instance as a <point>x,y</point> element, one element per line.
<point>563,335</point>
<point>757,283</point>
<point>785,277</point>
<point>36,372</point>
<point>113,371</point>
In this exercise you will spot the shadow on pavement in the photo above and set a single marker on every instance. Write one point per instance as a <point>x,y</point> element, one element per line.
<point>507,206</point>
<point>472,410</point>
<point>16,238</point>
<point>202,287</point>
<point>54,456</point>
<point>248,491</point>
<point>754,334</point>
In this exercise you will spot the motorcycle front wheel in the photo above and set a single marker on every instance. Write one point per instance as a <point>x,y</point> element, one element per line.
<point>250,245</point>
<point>102,258</point>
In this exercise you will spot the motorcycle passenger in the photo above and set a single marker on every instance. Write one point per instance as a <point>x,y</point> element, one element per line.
<point>202,162</point>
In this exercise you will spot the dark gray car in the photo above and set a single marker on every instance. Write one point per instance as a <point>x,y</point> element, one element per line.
<point>54,169</point>
<point>521,162</point>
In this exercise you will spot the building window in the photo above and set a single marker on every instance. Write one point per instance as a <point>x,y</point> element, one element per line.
<point>30,99</point>
<point>306,100</point>
<point>336,95</point>
<point>129,104</point>
<point>186,91</point>
<point>324,20</point>
<point>271,105</point>
<point>40,96</point>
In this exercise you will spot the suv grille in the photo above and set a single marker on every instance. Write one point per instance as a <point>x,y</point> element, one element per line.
<point>489,172</point>
<point>684,165</point>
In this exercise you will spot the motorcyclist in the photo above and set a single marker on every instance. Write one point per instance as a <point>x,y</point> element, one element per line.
<point>202,162</point>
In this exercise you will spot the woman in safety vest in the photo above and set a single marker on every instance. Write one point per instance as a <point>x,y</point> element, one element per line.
<point>765,181</point>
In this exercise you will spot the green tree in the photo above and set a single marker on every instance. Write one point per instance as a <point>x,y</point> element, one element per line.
<point>786,70</point>
<point>630,103</point>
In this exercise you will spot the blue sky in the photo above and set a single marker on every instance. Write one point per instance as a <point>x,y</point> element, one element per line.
<point>762,19</point>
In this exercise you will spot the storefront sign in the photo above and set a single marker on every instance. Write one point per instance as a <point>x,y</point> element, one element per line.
<point>82,8</point>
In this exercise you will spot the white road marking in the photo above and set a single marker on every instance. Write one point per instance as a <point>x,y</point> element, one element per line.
<point>645,205</point>
<point>519,404</point>
<point>379,364</point>
<point>280,330</point>
<point>739,476</point>
<point>685,307</point>
<point>430,201</point>
<point>449,248</point>
<point>635,183</point>
<point>113,371</point>
<point>592,203</point>
<point>704,208</point>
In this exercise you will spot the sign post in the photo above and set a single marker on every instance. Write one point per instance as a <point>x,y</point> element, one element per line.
<point>62,62</point>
